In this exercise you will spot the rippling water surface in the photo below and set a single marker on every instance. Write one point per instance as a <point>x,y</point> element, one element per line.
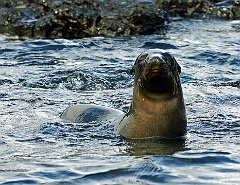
<point>40,78</point>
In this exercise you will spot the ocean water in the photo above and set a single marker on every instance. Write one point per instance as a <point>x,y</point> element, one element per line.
<point>41,78</point>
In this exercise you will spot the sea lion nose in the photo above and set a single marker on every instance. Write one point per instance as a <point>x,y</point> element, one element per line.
<point>156,73</point>
<point>154,70</point>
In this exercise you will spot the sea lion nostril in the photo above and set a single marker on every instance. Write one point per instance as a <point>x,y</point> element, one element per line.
<point>154,74</point>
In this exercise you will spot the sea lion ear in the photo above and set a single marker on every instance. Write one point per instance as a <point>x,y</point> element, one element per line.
<point>179,68</point>
<point>132,71</point>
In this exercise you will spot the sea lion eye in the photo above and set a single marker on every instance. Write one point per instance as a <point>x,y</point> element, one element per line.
<point>172,61</point>
<point>138,62</point>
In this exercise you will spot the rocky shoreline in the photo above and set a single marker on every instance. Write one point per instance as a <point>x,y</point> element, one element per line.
<point>51,19</point>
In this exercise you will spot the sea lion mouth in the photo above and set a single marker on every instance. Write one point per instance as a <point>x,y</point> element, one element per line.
<point>158,79</point>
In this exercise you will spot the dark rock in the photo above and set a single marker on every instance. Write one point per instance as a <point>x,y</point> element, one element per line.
<point>201,9</point>
<point>78,18</point>
<point>107,18</point>
<point>232,84</point>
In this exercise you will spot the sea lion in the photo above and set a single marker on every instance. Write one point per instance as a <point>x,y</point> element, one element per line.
<point>157,108</point>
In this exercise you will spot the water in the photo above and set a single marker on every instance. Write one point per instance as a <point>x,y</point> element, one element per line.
<point>40,78</point>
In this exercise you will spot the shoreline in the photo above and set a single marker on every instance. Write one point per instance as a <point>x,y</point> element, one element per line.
<point>72,19</point>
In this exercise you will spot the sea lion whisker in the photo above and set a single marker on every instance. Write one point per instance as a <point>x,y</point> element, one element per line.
<point>140,84</point>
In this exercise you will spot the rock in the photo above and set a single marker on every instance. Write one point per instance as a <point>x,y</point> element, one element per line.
<point>78,18</point>
<point>232,84</point>
<point>201,9</point>
<point>108,18</point>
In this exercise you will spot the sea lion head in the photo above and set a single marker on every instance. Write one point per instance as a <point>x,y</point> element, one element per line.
<point>156,71</point>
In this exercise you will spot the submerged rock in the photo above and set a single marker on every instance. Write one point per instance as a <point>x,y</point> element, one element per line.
<point>78,18</point>
<point>232,84</point>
